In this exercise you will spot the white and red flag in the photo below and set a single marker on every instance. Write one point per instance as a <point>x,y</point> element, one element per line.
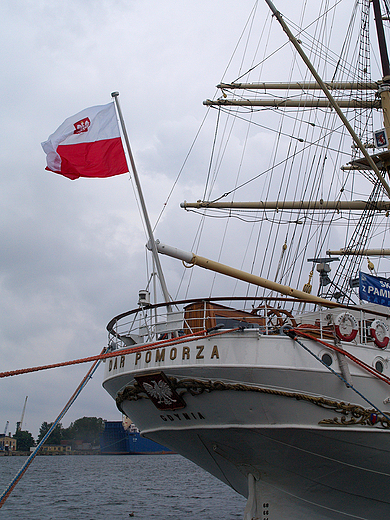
<point>87,144</point>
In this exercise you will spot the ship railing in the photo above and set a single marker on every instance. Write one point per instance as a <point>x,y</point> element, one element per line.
<point>154,322</point>
<point>268,316</point>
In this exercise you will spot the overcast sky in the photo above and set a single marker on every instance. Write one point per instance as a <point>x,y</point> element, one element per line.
<point>72,252</point>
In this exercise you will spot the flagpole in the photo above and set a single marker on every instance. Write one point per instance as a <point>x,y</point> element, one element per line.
<point>160,273</point>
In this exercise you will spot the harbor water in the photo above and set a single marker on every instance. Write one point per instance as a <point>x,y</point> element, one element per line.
<point>116,487</point>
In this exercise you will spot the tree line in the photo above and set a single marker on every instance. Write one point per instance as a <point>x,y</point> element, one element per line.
<point>86,430</point>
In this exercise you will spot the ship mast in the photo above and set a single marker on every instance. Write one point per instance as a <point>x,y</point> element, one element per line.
<point>381,40</point>
<point>376,163</point>
<point>327,93</point>
<point>384,90</point>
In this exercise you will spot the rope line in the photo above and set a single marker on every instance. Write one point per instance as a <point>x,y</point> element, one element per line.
<point>349,385</point>
<point>292,333</point>
<point>97,360</point>
<point>72,399</point>
<point>116,353</point>
<point>356,360</point>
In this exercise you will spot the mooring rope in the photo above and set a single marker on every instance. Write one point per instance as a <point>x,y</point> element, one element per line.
<point>292,333</point>
<point>119,352</point>
<point>25,466</point>
<point>107,355</point>
<point>97,360</point>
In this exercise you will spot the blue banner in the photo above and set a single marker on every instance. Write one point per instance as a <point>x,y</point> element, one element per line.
<point>374,289</point>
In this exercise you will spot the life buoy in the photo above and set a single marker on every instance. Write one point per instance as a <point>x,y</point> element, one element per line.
<point>380,333</point>
<point>346,326</point>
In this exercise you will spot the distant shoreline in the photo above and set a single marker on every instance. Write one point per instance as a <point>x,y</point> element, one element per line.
<point>50,453</point>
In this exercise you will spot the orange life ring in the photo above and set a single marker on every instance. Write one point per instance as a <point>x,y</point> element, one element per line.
<point>346,326</point>
<point>380,333</point>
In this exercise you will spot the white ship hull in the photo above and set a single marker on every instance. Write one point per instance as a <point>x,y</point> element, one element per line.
<point>271,413</point>
<point>299,426</point>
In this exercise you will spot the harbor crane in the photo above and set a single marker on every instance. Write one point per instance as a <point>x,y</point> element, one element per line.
<point>19,424</point>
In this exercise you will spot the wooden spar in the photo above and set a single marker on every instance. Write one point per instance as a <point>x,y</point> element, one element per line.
<point>292,103</point>
<point>192,259</point>
<point>360,252</point>
<point>328,205</point>
<point>302,102</point>
<point>304,85</point>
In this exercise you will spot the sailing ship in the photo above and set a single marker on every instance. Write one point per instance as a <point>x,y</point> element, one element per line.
<point>280,388</point>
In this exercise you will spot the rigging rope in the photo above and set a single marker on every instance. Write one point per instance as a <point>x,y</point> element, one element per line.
<point>349,265</point>
<point>116,353</point>
<point>360,363</point>
<point>25,466</point>
<point>292,334</point>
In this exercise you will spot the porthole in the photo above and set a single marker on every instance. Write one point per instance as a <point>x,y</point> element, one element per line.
<point>379,366</point>
<point>327,359</point>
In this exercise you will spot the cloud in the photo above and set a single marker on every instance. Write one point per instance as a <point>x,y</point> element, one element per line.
<point>72,253</point>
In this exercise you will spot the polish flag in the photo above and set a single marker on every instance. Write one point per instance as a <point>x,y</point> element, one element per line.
<point>87,144</point>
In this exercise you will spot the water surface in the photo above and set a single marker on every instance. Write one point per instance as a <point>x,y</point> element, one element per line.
<point>116,487</point>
